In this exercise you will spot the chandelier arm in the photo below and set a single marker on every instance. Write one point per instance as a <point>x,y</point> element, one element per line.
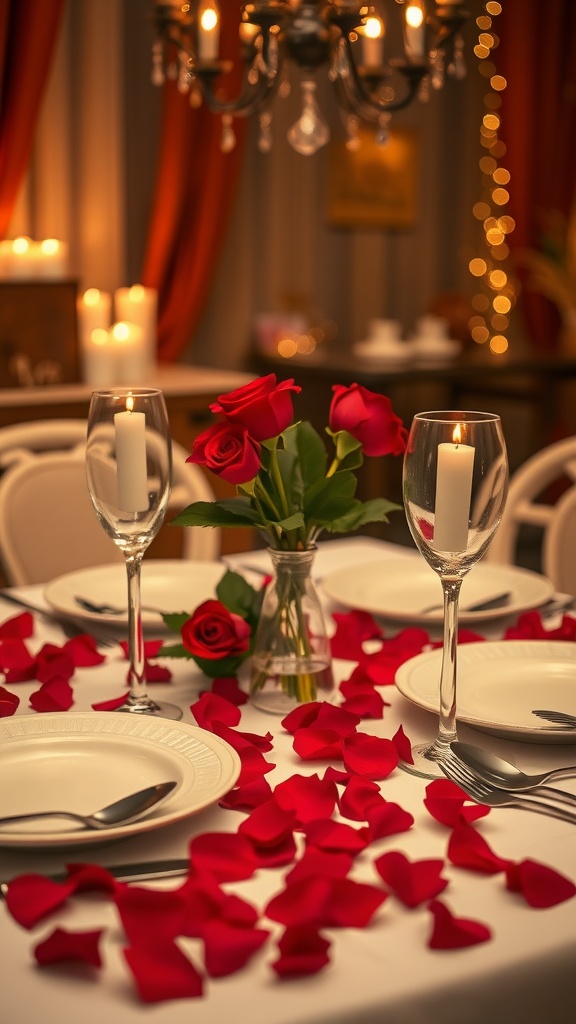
<point>250,100</point>
<point>366,104</point>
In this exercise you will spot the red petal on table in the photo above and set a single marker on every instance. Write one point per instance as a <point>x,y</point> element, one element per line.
<point>91,876</point>
<point>308,796</point>
<point>381,666</point>
<point>53,662</point>
<point>445,801</point>
<point>18,627</point>
<point>301,716</point>
<point>111,705</point>
<point>451,932</point>
<point>161,971</point>
<point>352,629</point>
<point>56,695</point>
<point>229,688</point>
<point>371,756</point>
<point>268,823</point>
<point>83,651</point>
<point>540,885</point>
<point>150,915</point>
<point>247,797</point>
<point>334,836</point>
<point>365,705</point>
<point>357,682</point>
<point>227,856</point>
<point>468,849</point>
<point>386,819</point>
<point>302,951</point>
<point>360,794</point>
<point>321,715</point>
<point>313,743</point>
<point>228,949</point>
<point>236,736</point>
<point>254,765</point>
<point>16,661</point>
<point>157,673</point>
<point>31,897</point>
<point>151,648</point>
<point>8,702</point>
<point>320,864</point>
<point>403,745</point>
<point>301,902</point>
<point>528,626</point>
<point>64,945</point>
<point>204,900</point>
<point>413,882</point>
<point>340,777</point>
<point>353,904</point>
<point>277,856</point>
<point>210,708</point>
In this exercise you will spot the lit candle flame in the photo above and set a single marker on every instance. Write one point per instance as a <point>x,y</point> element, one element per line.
<point>457,434</point>
<point>130,404</point>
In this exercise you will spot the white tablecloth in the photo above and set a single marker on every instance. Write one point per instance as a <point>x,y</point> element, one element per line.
<point>381,973</point>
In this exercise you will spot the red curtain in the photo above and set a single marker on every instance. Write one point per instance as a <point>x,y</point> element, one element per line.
<point>537,56</point>
<point>194,194</point>
<point>28,33</point>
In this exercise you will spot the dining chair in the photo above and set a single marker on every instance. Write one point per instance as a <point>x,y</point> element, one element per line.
<point>48,525</point>
<point>542,495</point>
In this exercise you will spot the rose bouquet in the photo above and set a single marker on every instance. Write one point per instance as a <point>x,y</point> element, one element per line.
<point>290,490</point>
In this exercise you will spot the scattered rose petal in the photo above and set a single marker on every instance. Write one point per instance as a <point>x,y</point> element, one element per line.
<point>320,863</point>
<point>325,902</point>
<point>308,796</point>
<point>365,705</point>
<point>468,849</point>
<point>161,972</point>
<point>53,662</point>
<point>370,756</point>
<point>403,745</point>
<point>248,796</point>
<point>268,824</point>
<point>64,945</point>
<point>210,708</point>
<point>32,897</point>
<point>16,662</point>
<point>413,882</point>
<point>360,794</point>
<point>84,651</point>
<point>19,627</point>
<point>56,695</point>
<point>382,665</point>
<point>540,885</point>
<point>150,916</point>
<point>316,744</point>
<point>228,687</point>
<point>449,932</point>
<point>91,876</point>
<point>446,802</point>
<point>227,856</point>
<point>302,951</point>
<point>228,948</point>
<point>8,702</point>
<point>113,704</point>
<point>386,819</point>
<point>155,673</point>
<point>334,836</point>
<point>352,629</point>
<point>353,904</point>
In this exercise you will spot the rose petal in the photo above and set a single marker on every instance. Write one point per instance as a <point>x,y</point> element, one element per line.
<point>320,863</point>
<point>19,627</point>
<point>369,756</point>
<point>150,916</point>
<point>163,972</point>
<point>413,882</point>
<point>84,651</point>
<point>8,703</point>
<point>53,662</point>
<point>228,948</point>
<point>540,885</point>
<point>445,801</point>
<point>56,695</point>
<point>303,901</point>
<point>111,705</point>
<point>451,932</point>
<point>228,687</point>
<point>360,794</point>
<point>16,662</point>
<point>302,951</point>
<point>353,904</point>
<point>64,945</point>
<point>226,856</point>
<point>403,745</point>
<point>365,705</point>
<point>91,876</point>
<point>308,796</point>
<point>268,824</point>
<point>31,897</point>
<point>352,629</point>
<point>247,797</point>
<point>334,836</point>
<point>386,819</point>
<point>210,708</point>
<point>313,744</point>
<point>468,849</point>
<point>381,666</point>
<point>154,673</point>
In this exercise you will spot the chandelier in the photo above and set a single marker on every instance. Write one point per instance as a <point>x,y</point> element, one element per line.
<point>346,39</point>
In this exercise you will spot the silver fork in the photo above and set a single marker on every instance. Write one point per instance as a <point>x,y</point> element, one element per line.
<point>482,793</point>
<point>561,718</point>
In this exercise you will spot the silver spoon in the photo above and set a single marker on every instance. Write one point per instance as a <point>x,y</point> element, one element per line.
<point>504,775</point>
<point>121,812</point>
<point>108,609</point>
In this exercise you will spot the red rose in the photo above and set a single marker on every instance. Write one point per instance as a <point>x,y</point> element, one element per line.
<point>213,632</point>
<point>263,407</point>
<point>369,418</point>
<point>228,451</point>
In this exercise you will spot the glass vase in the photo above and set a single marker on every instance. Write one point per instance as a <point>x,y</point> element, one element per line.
<point>291,663</point>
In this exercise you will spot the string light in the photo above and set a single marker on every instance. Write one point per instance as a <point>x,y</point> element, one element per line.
<point>495,296</point>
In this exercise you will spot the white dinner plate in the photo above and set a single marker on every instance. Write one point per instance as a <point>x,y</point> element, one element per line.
<point>84,761</point>
<point>401,588</point>
<point>499,685</point>
<point>172,585</point>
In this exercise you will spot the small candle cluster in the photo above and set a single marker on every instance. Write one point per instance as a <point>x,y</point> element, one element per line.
<point>27,260</point>
<point>123,352</point>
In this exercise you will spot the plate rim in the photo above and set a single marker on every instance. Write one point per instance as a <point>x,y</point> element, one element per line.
<point>218,746</point>
<point>538,732</point>
<point>435,618</point>
<point>175,565</point>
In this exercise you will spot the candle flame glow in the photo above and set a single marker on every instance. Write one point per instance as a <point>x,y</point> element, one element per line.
<point>414,15</point>
<point>209,19</point>
<point>457,434</point>
<point>130,403</point>
<point>373,28</point>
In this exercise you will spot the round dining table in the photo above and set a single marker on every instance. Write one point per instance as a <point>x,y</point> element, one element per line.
<point>383,971</point>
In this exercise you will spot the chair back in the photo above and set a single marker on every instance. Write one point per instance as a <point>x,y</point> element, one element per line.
<point>48,525</point>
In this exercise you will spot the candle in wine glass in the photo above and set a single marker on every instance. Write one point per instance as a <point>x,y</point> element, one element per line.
<point>131,469</point>
<point>453,493</point>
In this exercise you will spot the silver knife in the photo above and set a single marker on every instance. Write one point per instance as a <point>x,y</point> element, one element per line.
<point>145,871</point>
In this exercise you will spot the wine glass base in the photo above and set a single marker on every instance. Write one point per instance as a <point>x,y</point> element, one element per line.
<point>426,757</point>
<point>152,709</point>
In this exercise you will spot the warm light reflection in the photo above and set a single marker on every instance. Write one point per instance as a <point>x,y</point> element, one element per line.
<point>480,335</point>
<point>498,344</point>
<point>497,278</point>
<point>457,434</point>
<point>477,266</point>
<point>500,196</point>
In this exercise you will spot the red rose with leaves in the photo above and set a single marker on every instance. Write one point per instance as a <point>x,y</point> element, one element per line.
<point>263,407</point>
<point>369,417</point>
<point>227,450</point>
<point>213,632</point>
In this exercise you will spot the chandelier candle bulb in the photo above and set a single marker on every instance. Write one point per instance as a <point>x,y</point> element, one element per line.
<point>373,43</point>
<point>208,31</point>
<point>453,494</point>
<point>414,31</point>
<point>131,470</point>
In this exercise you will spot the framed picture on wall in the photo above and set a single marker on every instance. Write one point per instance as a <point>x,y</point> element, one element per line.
<point>373,186</point>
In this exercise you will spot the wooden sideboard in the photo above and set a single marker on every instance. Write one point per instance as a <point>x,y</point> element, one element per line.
<point>188,392</point>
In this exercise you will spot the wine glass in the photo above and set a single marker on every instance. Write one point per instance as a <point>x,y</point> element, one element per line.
<point>455,482</point>
<point>129,471</point>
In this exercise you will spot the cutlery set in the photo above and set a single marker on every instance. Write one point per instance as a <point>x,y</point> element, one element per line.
<point>492,781</point>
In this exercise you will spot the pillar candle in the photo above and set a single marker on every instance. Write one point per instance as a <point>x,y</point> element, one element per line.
<point>131,471</point>
<point>138,305</point>
<point>130,354</point>
<point>22,259</point>
<point>52,259</point>
<point>98,360</point>
<point>453,494</point>
<point>94,308</point>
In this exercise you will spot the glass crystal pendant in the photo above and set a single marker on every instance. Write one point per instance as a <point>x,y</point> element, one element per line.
<point>310,132</point>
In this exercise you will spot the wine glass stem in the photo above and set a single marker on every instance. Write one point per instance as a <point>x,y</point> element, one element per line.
<point>137,672</point>
<point>447,727</point>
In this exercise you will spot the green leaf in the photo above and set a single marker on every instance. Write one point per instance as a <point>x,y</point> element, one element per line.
<point>220,667</point>
<point>239,596</point>
<point>175,620</point>
<point>226,512</point>
<point>173,651</point>
<point>329,498</point>
<point>311,453</point>
<point>359,513</point>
